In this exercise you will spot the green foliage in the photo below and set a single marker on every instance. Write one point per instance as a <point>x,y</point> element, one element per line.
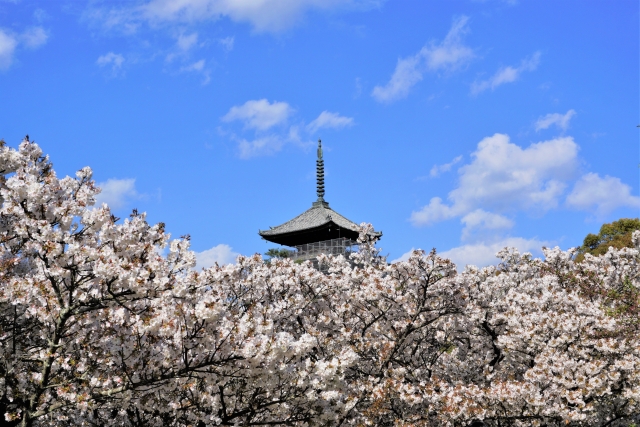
<point>617,234</point>
<point>278,253</point>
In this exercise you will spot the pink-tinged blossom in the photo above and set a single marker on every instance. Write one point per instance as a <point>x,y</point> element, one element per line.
<point>98,328</point>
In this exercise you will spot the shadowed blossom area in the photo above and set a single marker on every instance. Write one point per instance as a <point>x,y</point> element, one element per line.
<point>106,323</point>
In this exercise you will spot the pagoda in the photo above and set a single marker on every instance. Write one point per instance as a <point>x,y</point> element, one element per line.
<point>317,230</point>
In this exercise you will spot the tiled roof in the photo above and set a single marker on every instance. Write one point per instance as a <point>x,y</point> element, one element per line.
<point>319,214</point>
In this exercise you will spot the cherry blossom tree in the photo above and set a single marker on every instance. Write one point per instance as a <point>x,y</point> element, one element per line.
<point>99,328</point>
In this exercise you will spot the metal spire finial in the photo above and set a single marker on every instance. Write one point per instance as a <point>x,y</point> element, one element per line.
<point>320,173</point>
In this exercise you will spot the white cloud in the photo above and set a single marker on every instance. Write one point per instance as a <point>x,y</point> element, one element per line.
<point>507,74</point>
<point>34,37</point>
<point>602,195</point>
<point>117,192</point>
<point>227,43</point>
<point>404,257</point>
<point>358,88</point>
<point>221,254</point>
<point>115,60</point>
<point>260,146</point>
<point>405,76</point>
<point>259,114</point>
<point>505,177</point>
<point>484,254</point>
<point>434,212</point>
<point>327,119</point>
<point>40,15</point>
<point>31,38</point>
<point>267,122</point>
<point>186,42</point>
<point>263,15</point>
<point>451,53</point>
<point>483,220</point>
<point>436,170</point>
<point>264,145</point>
<point>198,67</point>
<point>448,55</point>
<point>560,120</point>
<point>8,45</point>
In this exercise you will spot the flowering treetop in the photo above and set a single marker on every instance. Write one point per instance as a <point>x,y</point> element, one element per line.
<point>98,328</point>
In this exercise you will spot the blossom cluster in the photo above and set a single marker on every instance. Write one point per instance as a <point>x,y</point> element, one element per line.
<point>97,327</point>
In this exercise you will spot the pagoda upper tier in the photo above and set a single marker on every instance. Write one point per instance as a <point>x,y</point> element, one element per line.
<point>317,224</point>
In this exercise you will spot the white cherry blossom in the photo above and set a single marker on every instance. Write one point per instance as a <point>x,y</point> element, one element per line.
<point>97,328</point>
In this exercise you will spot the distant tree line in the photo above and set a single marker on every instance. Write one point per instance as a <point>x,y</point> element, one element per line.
<point>617,234</point>
<point>278,253</point>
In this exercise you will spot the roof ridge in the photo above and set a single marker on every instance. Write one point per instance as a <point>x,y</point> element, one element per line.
<point>317,215</point>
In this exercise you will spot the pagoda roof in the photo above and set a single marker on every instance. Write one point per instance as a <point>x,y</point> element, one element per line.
<point>317,223</point>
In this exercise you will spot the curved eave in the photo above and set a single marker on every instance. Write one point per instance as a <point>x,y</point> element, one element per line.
<point>327,231</point>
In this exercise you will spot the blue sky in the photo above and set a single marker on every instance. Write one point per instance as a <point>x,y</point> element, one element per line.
<point>461,125</point>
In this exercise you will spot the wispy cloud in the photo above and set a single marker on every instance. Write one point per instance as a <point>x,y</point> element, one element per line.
<point>507,74</point>
<point>264,16</point>
<point>187,41</point>
<point>198,67</point>
<point>259,114</point>
<point>180,19</point>
<point>263,117</point>
<point>327,119</point>
<point>450,54</point>
<point>114,60</point>
<point>31,38</point>
<point>40,15</point>
<point>261,146</point>
<point>34,37</point>
<point>408,72</point>
<point>436,170</point>
<point>181,55</point>
<point>227,43</point>
<point>273,126</point>
<point>560,120</point>
<point>8,44</point>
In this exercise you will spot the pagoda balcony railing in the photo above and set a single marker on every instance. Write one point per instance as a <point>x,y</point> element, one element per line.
<point>310,251</point>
